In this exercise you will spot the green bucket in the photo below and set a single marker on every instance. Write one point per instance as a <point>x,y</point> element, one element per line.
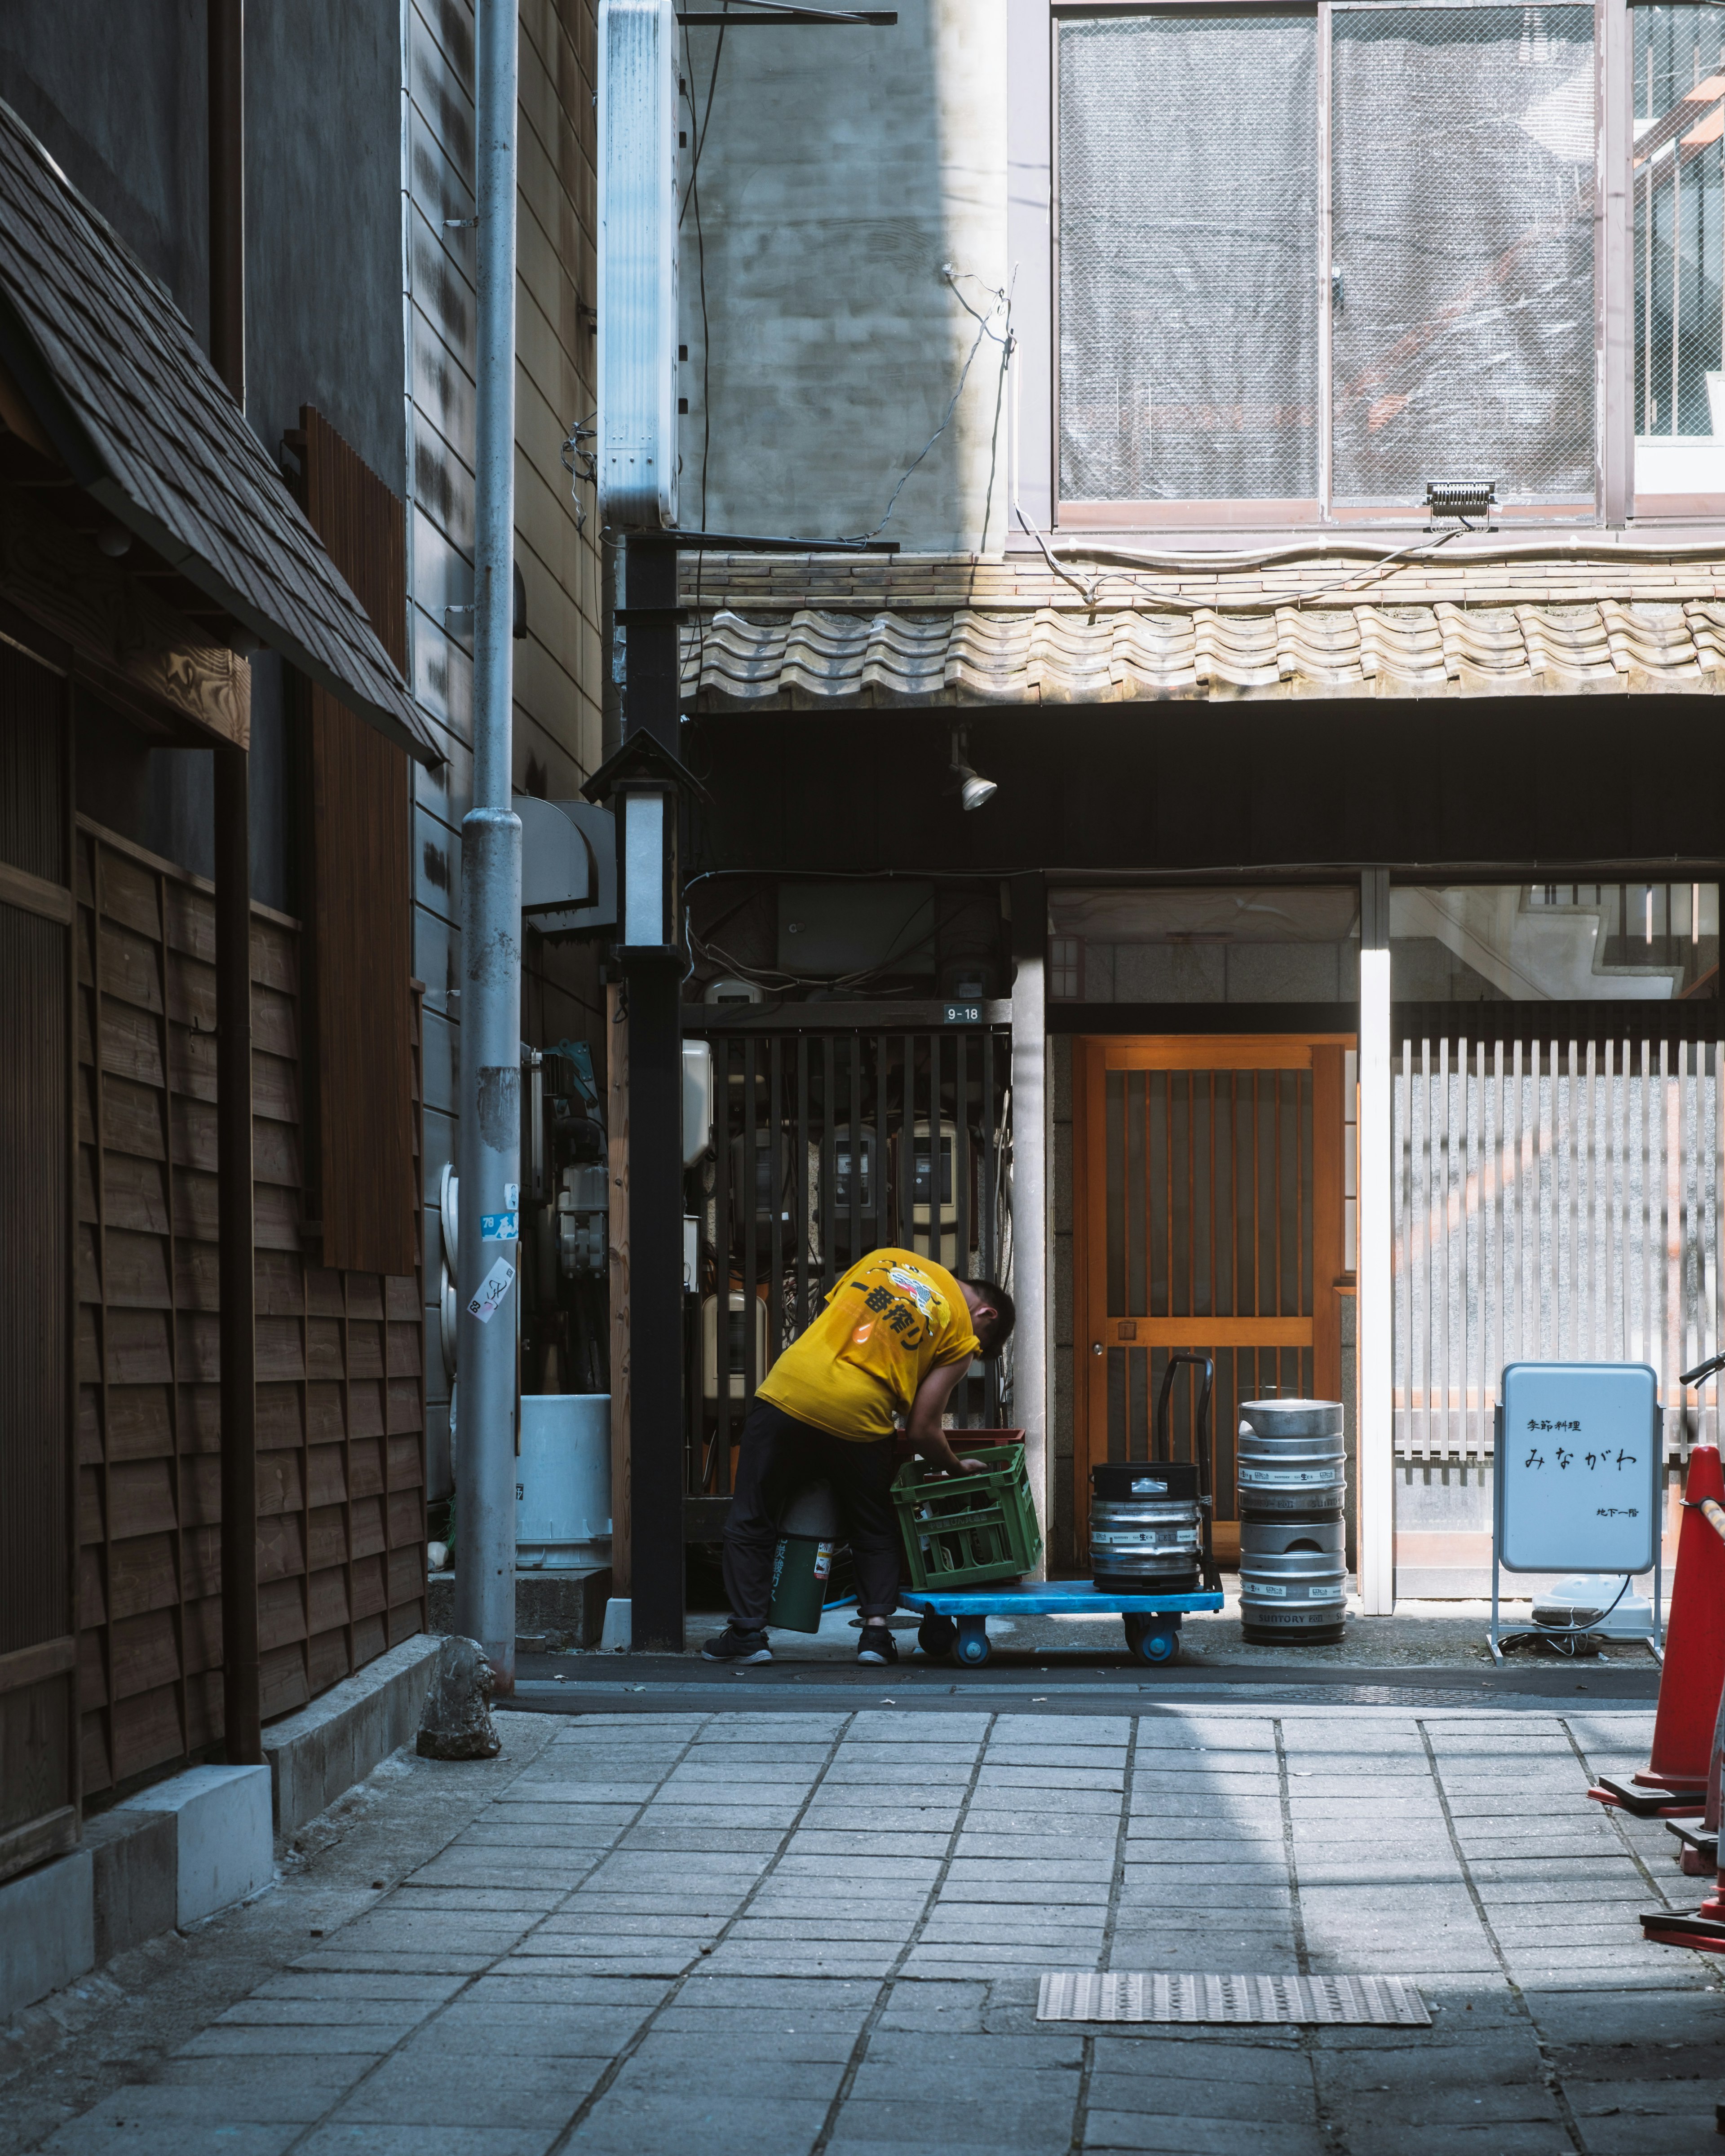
<point>807,1536</point>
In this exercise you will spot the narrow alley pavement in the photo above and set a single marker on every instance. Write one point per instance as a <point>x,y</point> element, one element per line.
<point>739,1932</point>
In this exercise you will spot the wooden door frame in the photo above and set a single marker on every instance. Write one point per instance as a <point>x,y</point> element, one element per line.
<point>1095,1056</point>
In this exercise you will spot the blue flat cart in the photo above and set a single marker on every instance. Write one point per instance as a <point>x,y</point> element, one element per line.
<point>956,1623</point>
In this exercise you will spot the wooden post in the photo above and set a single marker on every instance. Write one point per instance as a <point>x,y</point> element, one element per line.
<point>616,1142</point>
<point>241,1708</point>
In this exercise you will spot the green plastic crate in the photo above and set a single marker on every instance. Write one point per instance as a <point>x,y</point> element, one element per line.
<point>965,1530</point>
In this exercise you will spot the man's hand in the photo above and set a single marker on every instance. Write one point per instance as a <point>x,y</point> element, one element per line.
<point>971,1464</point>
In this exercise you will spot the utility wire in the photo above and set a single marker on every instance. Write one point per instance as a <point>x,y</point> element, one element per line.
<point>985,329</point>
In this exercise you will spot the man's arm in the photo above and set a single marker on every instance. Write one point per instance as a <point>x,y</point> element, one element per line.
<point>924,1428</point>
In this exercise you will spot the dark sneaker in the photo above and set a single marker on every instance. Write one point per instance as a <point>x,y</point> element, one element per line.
<point>876,1644</point>
<point>734,1646</point>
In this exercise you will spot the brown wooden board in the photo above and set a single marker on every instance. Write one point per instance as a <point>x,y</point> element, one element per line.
<point>360,884</point>
<point>39,1792</point>
<point>336,1498</point>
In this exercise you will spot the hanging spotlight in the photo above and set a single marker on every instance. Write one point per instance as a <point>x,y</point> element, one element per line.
<point>973,791</point>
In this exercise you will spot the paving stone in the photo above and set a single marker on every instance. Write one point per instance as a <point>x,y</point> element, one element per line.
<point>297,2093</point>
<point>1039,2122</point>
<point>626,2122</point>
<point>276,2009</point>
<point>673,2065</point>
<point>345,2136</point>
<point>1266,2102</point>
<point>434,2082</point>
<point>1188,2135</point>
<point>1274,2059</point>
<point>90,2136</point>
<point>247,2040</point>
<point>837,1928</point>
<point>1040,1874</point>
<point>826,1841</point>
<point>996,1797</point>
<point>933,2006</point>
<point>1508,2138</point>
<point>521,2029</point>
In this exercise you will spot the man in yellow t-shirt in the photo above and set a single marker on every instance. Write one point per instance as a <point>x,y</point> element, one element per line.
<point>897,1334</point>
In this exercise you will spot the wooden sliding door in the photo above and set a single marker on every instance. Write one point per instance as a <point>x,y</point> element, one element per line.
<point>1208,1190</point>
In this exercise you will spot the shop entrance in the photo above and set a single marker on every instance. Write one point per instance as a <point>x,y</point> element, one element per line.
<point>1209,1198</point>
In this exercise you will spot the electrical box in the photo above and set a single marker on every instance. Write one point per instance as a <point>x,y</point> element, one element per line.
<point>830,929</point>
<point>738,1306</point>
<point>583,1211</point>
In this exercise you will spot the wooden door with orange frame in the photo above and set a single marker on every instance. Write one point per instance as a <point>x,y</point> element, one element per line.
<point>1209,1189</point>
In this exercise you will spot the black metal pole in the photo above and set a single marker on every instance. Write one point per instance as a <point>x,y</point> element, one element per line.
<point>651,701</point>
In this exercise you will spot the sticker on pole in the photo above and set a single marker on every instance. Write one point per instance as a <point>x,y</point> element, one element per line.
<point>499,1227</point>
<point>491,1291</point>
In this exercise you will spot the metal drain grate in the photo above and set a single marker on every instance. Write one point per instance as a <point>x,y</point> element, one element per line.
<point>1386,1999</point>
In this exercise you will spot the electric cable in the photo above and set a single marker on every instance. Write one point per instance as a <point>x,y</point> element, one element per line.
<point>1565,1638</point>
<point>985,329</point>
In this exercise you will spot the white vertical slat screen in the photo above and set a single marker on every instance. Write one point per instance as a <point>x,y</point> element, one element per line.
<point>1554,1202</point>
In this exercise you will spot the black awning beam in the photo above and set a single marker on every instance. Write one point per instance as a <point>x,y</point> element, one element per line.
<point>774,11</point>
<point>746,542</point>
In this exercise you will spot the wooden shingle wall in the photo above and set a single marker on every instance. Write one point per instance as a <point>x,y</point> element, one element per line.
<point>340,1407</point>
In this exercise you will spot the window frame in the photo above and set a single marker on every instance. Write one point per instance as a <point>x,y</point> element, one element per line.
<point>1033,235</point>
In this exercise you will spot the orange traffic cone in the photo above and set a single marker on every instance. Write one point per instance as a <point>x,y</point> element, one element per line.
<point>1694,1673</point>
<point>1675,1782</point>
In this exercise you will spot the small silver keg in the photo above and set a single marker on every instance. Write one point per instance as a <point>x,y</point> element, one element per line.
<point>1144,1527</point>
<point>1291,1458</point>
<point>1299,1595</point>
<point>1292,1470</point>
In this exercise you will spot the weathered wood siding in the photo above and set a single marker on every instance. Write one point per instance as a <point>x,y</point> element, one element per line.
<point>340,1421</point>
<point>39,1759</point>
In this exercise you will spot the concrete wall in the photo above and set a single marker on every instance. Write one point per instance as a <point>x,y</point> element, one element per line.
<point>840,170</point>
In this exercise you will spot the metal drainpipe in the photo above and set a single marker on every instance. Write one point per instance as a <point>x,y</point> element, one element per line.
<point>241,1712</point>
<point>490,1127</point>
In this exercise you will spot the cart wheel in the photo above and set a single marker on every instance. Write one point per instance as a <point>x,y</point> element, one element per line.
<point>935,1634</point>
<point>972,1641</point>
<point>1151,1639</point>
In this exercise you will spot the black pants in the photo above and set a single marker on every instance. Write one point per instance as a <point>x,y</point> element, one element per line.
<point>778,1456</point>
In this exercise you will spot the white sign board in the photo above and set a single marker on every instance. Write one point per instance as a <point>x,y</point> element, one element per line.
<point>1577,1468</point>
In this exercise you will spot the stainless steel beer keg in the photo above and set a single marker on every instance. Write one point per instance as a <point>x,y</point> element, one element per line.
<point>1144,1528</point>
<point>1291,1467</point>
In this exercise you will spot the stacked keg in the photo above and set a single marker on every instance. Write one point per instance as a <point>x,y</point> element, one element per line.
<point>1293,1487</point>
<point>1144,1528</point>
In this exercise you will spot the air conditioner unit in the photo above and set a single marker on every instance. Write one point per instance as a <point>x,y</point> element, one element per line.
<point>737,1308</point>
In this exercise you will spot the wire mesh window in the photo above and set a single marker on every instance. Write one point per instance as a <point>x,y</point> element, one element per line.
<point>1445,260</point>
<point>1679,220</point>
<point>1189,253</point>
<point>1554,1201</point>
<point>826,1147</point>
<point>1463,251</point>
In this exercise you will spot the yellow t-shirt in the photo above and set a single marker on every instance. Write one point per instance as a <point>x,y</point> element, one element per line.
<point>892,1318</point>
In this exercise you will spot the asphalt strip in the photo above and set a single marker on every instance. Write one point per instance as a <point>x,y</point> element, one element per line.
<point>654,1683</point>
